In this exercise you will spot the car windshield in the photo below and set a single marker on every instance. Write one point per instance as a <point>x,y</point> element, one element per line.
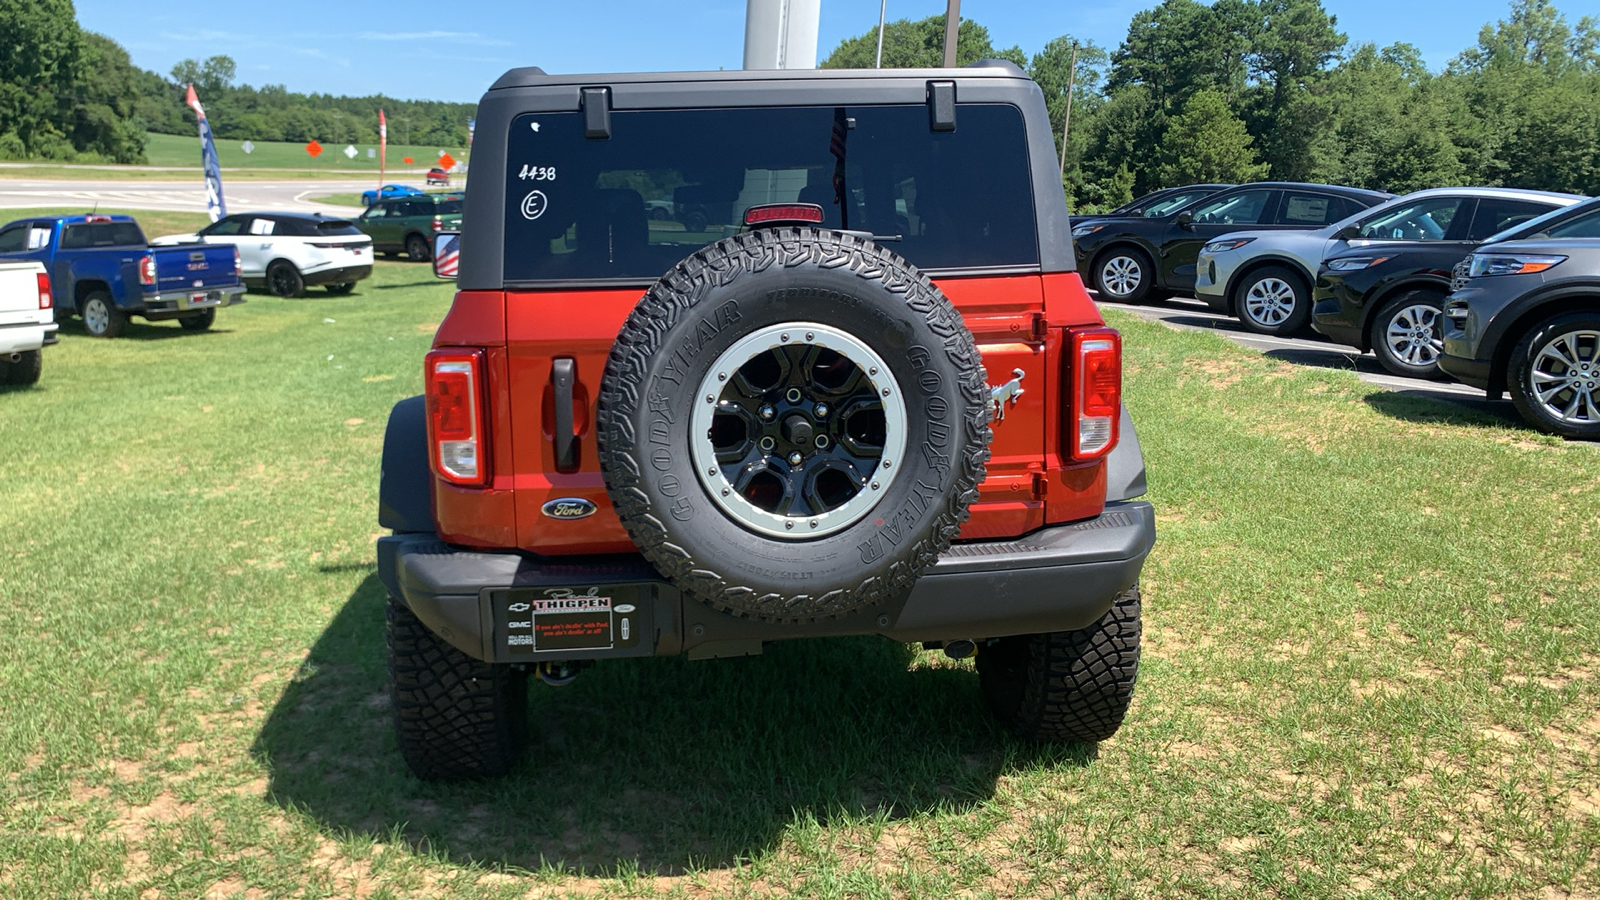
<point>1173,203</point>
<point>1536,225</point>
<point>668,182</point>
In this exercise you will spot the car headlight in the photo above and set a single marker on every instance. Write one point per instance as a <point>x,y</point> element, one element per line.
<point>1507,264</point>
<point>1225,245</point>
<point>1352,263</point>
<point>1085,230</point>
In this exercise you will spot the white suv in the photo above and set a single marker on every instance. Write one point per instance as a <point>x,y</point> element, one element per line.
<point>286,252</point>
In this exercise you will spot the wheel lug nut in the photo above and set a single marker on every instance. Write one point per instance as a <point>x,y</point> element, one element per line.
<point>768,412</point>
<point>795,457</point>
<point>821,411</point>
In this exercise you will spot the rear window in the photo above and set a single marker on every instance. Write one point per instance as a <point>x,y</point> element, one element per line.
<point>446,207</point>
<point>101,234</point>
<point>314,227</point>
<point>670,181</point>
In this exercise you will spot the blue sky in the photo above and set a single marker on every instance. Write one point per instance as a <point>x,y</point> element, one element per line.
<point>447,51</point>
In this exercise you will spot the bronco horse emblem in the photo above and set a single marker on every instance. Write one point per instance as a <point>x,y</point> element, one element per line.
<point>1005,394</point>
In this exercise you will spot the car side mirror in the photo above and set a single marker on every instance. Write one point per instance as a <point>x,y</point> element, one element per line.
<point>446,254</point>
<point>1347,232</point>
<point>1136,211</point>
<point>1185,220</point>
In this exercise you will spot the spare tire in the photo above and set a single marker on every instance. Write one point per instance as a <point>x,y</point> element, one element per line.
<point>792,424</point>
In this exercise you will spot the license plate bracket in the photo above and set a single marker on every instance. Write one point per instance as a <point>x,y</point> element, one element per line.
<point>595,620</point>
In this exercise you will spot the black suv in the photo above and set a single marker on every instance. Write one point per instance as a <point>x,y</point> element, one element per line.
<point>1134,259</point>
<point>1387,296</point>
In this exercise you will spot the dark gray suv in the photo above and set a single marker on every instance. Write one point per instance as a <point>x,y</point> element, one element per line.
<point>1525,319</point>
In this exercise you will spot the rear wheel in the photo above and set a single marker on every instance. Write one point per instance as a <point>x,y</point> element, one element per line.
<point>1125,275</point>
<point>1554,376</point>
<point>26,369</point>
<point>1406,336</point>
<point>417,248</point>
<point>101,318</point>
<point>1066,686</point>
<point>199,322</point>
<point>455,717</point>
<point>1273,300</point>
<point>284,280</point>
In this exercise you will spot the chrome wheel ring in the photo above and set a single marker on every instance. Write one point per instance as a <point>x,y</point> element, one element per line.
<point>1412,335</point>
<point>798,430</point>
<point>1565,378</point>
<point>1121,275</point>
<point>1269,302</point>
<point>96,317</point>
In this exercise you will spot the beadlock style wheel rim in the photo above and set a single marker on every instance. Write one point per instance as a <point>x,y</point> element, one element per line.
<point>96,317</point>
<point>1565,378</point>
<point>1413,335</point>
<point>798,430</point>
<point>1269,302</point>
<point>1121,275</point>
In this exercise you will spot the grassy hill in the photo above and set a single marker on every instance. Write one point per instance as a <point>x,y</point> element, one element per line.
<point>184,150</point>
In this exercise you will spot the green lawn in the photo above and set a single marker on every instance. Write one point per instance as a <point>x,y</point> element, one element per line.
<point>1370,662</point>
<point>184,150</point>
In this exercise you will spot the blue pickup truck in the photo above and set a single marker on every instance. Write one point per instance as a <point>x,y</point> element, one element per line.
<point>102,269</point>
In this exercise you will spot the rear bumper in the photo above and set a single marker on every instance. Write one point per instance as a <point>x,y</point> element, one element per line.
<point>23,336</point>
<point>340,275</point>
<point>175,304</point>
<point>1055,579</point>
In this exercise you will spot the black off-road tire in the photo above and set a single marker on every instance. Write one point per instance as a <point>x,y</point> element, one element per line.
<point>201,322</point>
<point>705,306</point>
<point>284,280</point>
<point>1519,378</point>
<point>25,370</point>
<point>455,717</point>
<point>1066,686</point>
<point>417,248</point>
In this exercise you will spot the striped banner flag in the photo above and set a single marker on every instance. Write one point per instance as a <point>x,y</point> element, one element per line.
<point>215,206</point>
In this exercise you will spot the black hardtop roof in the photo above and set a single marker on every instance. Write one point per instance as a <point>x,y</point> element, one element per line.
<point>1311,185</point>
<point>533,76</point>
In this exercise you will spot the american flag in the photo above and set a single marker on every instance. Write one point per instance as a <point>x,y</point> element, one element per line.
<point>449,258</point>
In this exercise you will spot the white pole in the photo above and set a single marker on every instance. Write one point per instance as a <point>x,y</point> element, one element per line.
<point>781,34</point>
<point>883,7</point>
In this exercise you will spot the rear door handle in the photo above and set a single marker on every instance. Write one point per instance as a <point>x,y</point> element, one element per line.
<point>563,376</point>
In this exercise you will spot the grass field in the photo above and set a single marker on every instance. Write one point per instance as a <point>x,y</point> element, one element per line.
<point>184,150</point>
<point>1370,662</point>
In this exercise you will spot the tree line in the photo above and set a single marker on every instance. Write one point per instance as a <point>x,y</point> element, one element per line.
<point>73,95</point>
<point>1243,90</point>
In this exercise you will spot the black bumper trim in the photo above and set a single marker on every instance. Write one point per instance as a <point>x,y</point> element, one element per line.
<point>1055,579</point>
<point>1474,372</point>
<point>345,275</point>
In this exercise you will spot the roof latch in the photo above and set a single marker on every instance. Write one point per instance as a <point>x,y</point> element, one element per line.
<point>596,112</point>
<point>942,105</point>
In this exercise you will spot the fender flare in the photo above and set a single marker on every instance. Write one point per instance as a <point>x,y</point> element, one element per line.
<point>405,482</point>
<point>1125,474</point>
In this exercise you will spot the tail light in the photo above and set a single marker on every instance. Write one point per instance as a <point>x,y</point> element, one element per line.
<point>238,264</point>
<point>147,271</point>
<point>438,223</point>
<point>44,291</point>
<point>1096,401</point>
<point>455,416</point>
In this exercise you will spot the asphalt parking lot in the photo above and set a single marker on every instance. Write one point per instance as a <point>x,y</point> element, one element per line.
<point>1189,314</point>
<point>188,195</point>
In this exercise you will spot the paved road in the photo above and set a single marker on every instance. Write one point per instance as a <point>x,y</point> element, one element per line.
<point>1315,351</point>
<point>183,196</point>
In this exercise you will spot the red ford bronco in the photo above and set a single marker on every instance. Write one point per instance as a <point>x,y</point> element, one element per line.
<point>739,357</point>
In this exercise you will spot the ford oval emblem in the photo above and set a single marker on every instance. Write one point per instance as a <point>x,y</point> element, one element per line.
<point>569,508</point>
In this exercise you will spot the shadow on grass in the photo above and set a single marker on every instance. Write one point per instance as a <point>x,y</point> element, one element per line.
<point>1443,407</point>
<point>407,284</point>
<point>654,765</point>
<point>139,330</point>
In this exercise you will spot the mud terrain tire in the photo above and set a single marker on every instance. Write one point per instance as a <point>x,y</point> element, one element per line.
<point>1066,686</point>
<point>455,718</point>
<point>689,343</point>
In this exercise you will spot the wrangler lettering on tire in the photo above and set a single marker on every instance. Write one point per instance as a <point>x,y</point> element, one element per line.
<point>792,424</point>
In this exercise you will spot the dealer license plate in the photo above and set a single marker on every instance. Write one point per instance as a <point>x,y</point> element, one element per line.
<point>566,621</point>
<point>203,300</point>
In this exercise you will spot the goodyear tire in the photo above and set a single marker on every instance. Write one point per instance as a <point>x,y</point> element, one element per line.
<point>792,424</point>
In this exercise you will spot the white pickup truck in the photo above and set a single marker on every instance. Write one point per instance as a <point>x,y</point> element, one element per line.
<point>27,321</point>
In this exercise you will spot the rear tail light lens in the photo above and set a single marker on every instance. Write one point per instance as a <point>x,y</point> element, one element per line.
<point>438,223</point>
<point>147,271</point>
<point>238,264</point>
<point>44,291</point>
<point>455,415</point>
<point>1096,392</point>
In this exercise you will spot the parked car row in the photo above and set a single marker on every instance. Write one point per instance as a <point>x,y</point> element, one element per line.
<point>1377,272</point>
